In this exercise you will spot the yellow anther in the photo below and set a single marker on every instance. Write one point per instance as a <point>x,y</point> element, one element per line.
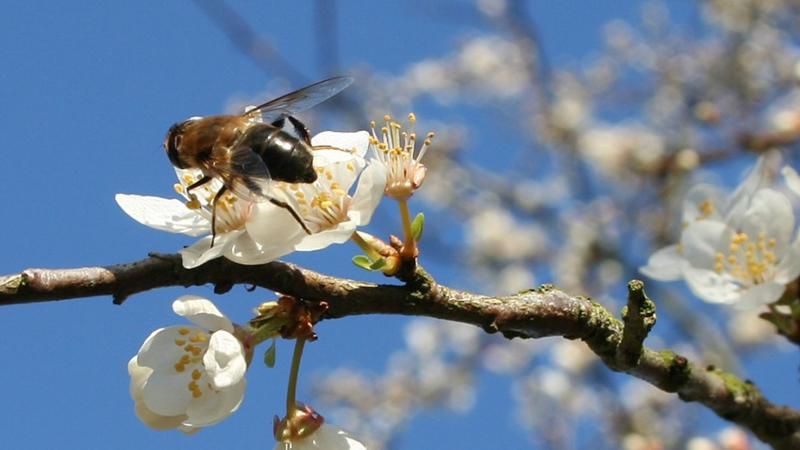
<point>178,188</point>
<point>185,359</point>
<point>196,374</point>
<point>706,208</point>
<point>188,179</point>
<point>198,337</point>
<point>180,342</point>
<point>180,367</point>
<point>387,117</point>
<point>732,260</point>
<point>372,124</point>
<point>193,203</point>
<point>412,117</point>
<point>183,331</point>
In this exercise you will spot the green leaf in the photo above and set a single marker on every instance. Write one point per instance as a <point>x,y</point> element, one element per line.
<point>362,261</point>
<point>378,265</point>
<point>417,226</point>
<point>269,355</point>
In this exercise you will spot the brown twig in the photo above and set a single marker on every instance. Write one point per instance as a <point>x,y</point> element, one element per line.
<point>530,314</point>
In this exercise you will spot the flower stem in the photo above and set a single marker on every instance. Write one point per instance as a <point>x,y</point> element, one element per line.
<point>409,245</point>
<point>291,391</point>
<point>364,245</point>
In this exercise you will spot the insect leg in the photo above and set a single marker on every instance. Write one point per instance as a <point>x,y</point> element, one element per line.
<point>279,122</point>
<point>199,183</point>
<point>214,214</point>
<point>286,206</point>
<point>300,129</point>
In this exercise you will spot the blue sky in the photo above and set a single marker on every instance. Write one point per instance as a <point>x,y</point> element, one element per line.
<point>87,91</point>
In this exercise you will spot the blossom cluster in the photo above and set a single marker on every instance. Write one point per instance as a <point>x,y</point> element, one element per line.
<point>190,377</point>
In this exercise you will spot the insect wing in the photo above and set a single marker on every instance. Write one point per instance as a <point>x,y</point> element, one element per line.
<point>246,175</point>
<point>301,99</point>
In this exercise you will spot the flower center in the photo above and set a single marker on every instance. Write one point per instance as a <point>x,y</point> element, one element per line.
<point>193,344</point>
<point>232,212</point>
<point>749,260</point>
<point>323,204</point>
<point>706,209</point>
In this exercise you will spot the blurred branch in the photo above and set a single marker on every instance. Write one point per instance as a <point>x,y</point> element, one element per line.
<point>529,314</point>
<point>326,32</point>
<point>247,41</point>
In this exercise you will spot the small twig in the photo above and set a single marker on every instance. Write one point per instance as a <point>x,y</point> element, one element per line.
<point>639,317</point>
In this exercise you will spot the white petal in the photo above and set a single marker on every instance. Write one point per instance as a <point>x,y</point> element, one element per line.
<point>318,241</point>
<point>759,295</point>
<point>369,192</point>
<point>344,173</point>
<point>770,212</point>
<point>711,286</point>
<point>213,407</point>
<point>159,350</point>
<point>202,312</point>
<point>139,376</point>
<point>224,360</point>
<point>356,142</point>
<point>246,251</point>
<point>326,437</point>
<point>788,268</point>
<point>665,264</point>
<point>166,393</point>
<point>702,240</point>
<point>792,179</point>
<point>156,421</point>
<point>201,251</point>
<point>271,226</point>
<point>164,214</point>
<point>755,180</point>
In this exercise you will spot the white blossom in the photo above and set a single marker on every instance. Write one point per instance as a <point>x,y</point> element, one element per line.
<point>189,377</point>
<point>742,254</point>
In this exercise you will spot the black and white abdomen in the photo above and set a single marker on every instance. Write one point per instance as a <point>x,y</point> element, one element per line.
<point>287,157</point>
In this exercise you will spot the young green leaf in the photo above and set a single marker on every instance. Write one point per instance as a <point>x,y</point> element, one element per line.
<point>417,226</point>
<point>269,355</point>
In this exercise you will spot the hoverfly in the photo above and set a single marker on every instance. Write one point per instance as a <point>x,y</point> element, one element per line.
<point>247,151</point>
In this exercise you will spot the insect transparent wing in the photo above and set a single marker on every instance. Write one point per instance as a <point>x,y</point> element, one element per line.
<point>246,175</point>
<point>301,99</point>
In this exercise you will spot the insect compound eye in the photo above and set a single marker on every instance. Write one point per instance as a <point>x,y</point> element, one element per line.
<point>171,144</point>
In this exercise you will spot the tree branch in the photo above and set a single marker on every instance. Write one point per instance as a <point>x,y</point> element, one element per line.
<point>541,312</point>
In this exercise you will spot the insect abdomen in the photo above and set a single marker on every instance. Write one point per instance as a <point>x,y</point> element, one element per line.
<point>287,158</point>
